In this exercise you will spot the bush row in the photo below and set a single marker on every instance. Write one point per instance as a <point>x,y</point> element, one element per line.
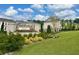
<point>13,42</point>
<point>38,37</point>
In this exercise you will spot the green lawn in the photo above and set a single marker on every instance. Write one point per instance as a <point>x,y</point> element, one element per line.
<point>67,43</point>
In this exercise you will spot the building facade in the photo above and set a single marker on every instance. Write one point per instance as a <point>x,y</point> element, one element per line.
<point>9,25</point>
<point>24,27</point>
<point>54,23</point>
<point>57,26</point>
<point>27,27</point>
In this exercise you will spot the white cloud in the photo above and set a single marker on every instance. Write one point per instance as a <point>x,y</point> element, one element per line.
<point>23,16</point>
<point>3,16</point>
<point>20,9</point>
<point>26,10</point>
<point>60,6</point>
<point>41,17</point>
<point>11,11</point>
<point>66,14</point>
<point>19,17</point>
<point>62,10</point>
<point>37,6</point>
<point>42,11</point>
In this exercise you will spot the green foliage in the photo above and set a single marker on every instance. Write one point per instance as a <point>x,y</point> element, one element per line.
<point>29,35</point>
<point>43,35</point>
<point>27,40</point>
<point>34,35</point>
<point>48,29</point>
<point>42,23</point>
<point>46,35</point>
<point>3,42</point>
<point>69,25</point>
<point>76,20</point>
<point>15,42</point>
<point>11,42</point>
<point>66,44</point>
<point>34,39</point>
<point>25,35</point>
<point>2,27</point>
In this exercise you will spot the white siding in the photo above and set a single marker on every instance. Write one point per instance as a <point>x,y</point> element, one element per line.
<point>37,27</point>
<point>57,25</point>
<point>46,25</point>
<point>0,24</point>
<point>10,27</point>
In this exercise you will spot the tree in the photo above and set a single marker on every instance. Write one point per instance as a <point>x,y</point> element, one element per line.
<point>42,23</point>
<point>70,21</point>
<point>41,27</point>
<point>48,29</point>
<point>2,27</point>
<point>63,24</point>
<point>76,20</point>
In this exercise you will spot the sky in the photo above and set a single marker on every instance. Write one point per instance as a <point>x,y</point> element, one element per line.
<point>38,11</point>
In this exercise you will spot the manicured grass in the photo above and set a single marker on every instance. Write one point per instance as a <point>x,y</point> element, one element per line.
<point>67,43</point>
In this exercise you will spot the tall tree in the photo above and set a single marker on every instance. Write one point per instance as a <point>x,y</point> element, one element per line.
<point>63,24</point>
<point>48,29</point>
<point>42,23</point>
<point>76,20</point>
<point>2,26</point>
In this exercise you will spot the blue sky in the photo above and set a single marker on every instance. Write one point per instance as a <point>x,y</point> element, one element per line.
<point>38,11</point>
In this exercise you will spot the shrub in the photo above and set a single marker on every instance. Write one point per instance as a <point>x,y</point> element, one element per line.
<point>34,35</point>
<point>3,43</point>
<point>25,35</point>
<point>31,39</point>
<point>29,35</point>
<point>27,41</point>
<point>40,38</point>
<point>11,42</point>
<point>35,39</point>
<point>14,42</point>
<point>44,35</point>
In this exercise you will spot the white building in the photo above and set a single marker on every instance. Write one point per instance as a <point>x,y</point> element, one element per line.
<point>54,23</point>
<point>27,27</point>
<point>9,25</point>
<point>24,27</point>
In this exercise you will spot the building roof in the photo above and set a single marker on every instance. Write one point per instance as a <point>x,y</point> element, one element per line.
<point>25,22</point>
<point>52,17</point>
<point>17,21</point>
<point>9,20</point>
